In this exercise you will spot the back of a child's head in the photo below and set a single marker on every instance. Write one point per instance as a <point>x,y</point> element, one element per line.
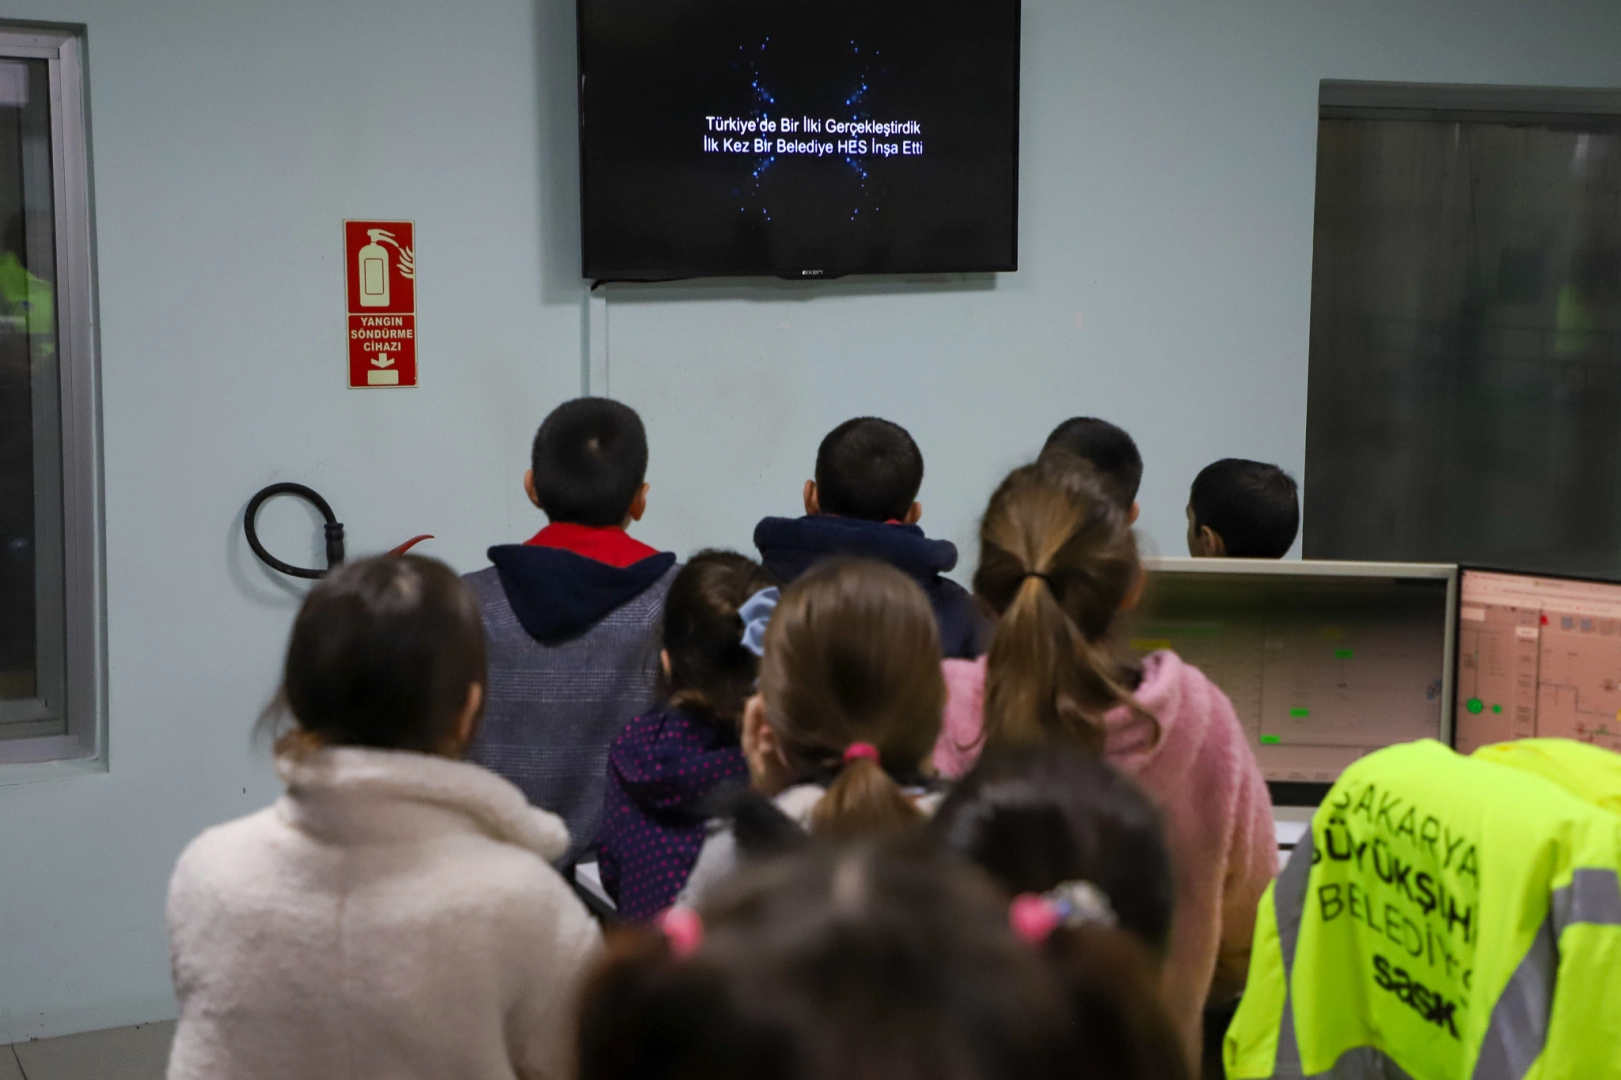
<point>711,673</point>
<point>871,961</point>
<point>382,654</point>
<point>870,469</point>
<point>852,658</point>
<point>1111,451</point>
<point>589,460</point>
<point>1254,507</point>
<point>1057,563</point>
<point>1039,816</point>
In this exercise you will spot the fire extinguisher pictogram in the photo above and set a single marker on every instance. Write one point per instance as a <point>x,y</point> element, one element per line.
<point>374,271</point>
<point>373,262</point>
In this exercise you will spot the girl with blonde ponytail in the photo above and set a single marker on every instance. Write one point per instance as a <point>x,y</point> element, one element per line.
<point>848,709</point>
<point>1057,562</point>
<point>1058,566</point>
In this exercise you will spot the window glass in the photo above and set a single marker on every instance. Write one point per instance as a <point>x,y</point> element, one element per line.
<point>32,646</point>
<point>1464,398</point>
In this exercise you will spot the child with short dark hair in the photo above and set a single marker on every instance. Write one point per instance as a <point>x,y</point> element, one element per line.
<point>1039,815</point>
<point>867,960</point>
<point>393,912</point>
<point>666,764</point>
<point>863,503</point>
<point>1112,452</point>
<point>572,615</point>
<point>1241,509</point>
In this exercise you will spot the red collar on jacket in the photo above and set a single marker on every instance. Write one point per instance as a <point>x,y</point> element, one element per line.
<point>610,545</point>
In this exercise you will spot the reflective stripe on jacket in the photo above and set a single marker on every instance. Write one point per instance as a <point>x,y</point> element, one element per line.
<point>1454,919</point>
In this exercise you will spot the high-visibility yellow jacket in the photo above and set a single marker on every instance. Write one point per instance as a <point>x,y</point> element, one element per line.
<point>1453,918</point>
<point>1585,771</point>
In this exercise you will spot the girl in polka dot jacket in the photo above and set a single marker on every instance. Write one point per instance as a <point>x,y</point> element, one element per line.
<point>665,766</point>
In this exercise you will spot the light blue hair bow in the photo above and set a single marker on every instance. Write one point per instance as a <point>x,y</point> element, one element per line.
<point>756,614</point>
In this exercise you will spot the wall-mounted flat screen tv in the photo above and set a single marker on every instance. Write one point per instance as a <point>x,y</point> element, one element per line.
<point>798,138</point>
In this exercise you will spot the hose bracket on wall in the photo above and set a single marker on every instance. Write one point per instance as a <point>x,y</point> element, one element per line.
<point>334,529</point>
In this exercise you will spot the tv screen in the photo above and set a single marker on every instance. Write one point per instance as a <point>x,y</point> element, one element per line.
<point>798,139</point>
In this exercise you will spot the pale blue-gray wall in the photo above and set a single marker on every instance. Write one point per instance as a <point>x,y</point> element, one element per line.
<point>1165,245</point>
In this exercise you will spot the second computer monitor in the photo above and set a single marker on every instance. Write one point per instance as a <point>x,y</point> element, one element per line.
<point>1324,661</point>
<point>1538,656</point>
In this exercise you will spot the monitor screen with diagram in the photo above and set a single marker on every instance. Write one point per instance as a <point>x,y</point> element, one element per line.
<point>1538,656</point>
<point>1324,662</point>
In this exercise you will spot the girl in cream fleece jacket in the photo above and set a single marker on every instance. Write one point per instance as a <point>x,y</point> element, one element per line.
<point>393,914</point>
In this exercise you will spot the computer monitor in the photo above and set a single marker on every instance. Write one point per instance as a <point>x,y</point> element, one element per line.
<point>1324,661</point>
<point>1538,655</point>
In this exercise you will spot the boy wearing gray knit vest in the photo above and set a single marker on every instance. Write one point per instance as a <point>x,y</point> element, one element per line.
<point>572,616</point>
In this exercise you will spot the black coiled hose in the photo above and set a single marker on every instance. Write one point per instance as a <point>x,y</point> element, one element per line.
<point>334,529</point>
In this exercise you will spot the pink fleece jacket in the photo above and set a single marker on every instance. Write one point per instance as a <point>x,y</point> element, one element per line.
<point>1218,816</point>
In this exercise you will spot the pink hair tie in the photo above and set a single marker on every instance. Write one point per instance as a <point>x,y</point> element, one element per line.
<point>858,750</point>
<point>1033,917</point>
<point>683,928</point>
<point>1070,904</point>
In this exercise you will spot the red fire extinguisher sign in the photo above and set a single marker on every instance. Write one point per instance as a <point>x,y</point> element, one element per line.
<point>380,263</point>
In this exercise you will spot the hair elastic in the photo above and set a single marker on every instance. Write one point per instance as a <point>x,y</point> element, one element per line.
<point>756,615</point>
<point>858,750</point>
<point>1034,916</point>
<point>683,928</point>
<point>1028,574</point>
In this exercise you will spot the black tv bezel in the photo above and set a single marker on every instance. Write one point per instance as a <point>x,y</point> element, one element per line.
<point>800,273</point>
<point>1457,619</point>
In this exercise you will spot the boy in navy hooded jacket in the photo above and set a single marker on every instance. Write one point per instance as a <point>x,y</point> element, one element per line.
<point>863,503</point>
<point>572,616</point>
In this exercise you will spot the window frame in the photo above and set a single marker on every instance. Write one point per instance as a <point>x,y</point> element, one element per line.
<point>1343,99</point>
<point>79,741</point>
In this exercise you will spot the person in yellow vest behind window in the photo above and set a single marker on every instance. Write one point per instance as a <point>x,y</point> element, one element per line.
<point>27,302</point>
<point>27,335</point>
<point>1453,918</point>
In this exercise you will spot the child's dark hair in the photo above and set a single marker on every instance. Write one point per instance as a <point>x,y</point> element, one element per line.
<point>1254,507</point>
<point>1110,450</point>
<point>870,469</point>
<point>382,654</point>
<point>1037,816</point>
<point>711,673</point>
<point>1057,562</point>
<point>872,962</point>
<point>589,459</point>
<point>852,655</point>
